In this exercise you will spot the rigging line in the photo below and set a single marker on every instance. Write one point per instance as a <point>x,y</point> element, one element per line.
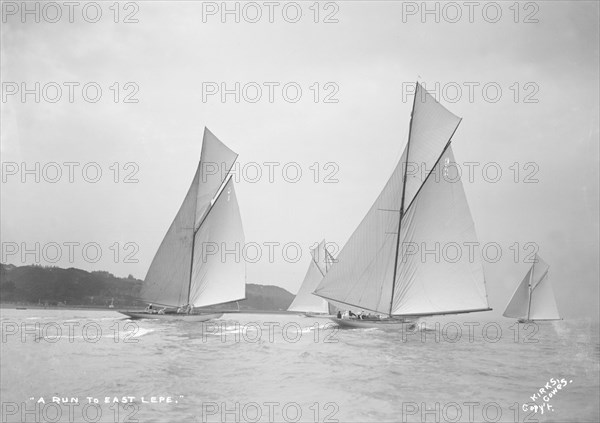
<point>402,200</point>
<point>539,280</point>
<point>328,256</point>
<point>317,264</point>
<point>530,291</point>
<point>219,192</point>
<point>434,166</point>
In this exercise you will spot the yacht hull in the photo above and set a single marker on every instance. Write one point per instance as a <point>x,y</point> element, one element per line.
<point>537,320</point>
<point>137,315</point>
<point>317,315</point>
<point>389,324</point>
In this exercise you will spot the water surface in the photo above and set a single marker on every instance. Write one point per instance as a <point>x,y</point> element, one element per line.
<point>262,367</point>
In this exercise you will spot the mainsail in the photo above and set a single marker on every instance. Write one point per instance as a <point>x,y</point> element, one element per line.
<point>191,265</point>
<point>305,301</point>
<point>534,298</point>
<point>381,268</point>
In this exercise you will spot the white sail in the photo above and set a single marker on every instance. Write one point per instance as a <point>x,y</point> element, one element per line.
<point>534,298</point>
<point>437,272</point>
<point>216,161</point>
<point>364,275</point>
<point>169,277</point>
<point>305,301</point>
<point>518,305</point>
<point>432,126</point>
<point>320,256</point>
<point>219,270</point>
<point>543,302</point>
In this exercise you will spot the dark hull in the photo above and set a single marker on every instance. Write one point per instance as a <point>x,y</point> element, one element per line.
<point>537,320</point>
<point>136,315</point>
<point>317,315</point>
<point>391,324</point>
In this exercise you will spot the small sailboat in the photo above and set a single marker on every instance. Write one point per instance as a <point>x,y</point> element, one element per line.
<point>305,302</point>
<point>533,300</point>
<point>189,269</point>
<point>378,270</point>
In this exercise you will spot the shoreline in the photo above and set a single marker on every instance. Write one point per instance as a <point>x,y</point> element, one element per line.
<point>23,307</point>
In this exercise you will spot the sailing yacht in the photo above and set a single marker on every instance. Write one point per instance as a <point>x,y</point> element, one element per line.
<point>189,269</point>
<point>533,300</point>
<point>377,269</point>
<point>305,302</point>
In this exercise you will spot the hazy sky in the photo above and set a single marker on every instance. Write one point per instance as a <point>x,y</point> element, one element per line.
<point>368,55</point>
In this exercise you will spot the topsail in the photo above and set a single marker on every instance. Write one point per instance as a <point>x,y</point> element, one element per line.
<point>422,206</point>
<point>190,266</point>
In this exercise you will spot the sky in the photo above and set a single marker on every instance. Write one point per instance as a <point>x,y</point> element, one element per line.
<point>540,129</point>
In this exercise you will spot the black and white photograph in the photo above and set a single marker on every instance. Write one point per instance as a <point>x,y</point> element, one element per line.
<point>303,211</point>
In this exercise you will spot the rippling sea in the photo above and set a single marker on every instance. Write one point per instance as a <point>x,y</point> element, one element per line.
<point>285,368</point>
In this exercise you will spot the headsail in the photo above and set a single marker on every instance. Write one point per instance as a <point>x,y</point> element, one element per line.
<point>219,270</point>
<point>543,302</point>
<point>172,272</point>
<point>365,275</point>
<point>305,301</point>
<point>518,306</point>
<point>437,273</point>
<point>534,297</point>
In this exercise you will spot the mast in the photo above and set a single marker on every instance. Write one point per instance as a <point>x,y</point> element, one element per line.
<point>402,200</point>
<point>327,255</point>
<point>529,303</point>
<point>191,262</point>
<point>195,230</point>
<point>402,210</point>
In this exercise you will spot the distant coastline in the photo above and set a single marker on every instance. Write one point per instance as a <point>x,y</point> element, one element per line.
<point>25,307</point>
<point>39,287</point>
<point>53,307</point>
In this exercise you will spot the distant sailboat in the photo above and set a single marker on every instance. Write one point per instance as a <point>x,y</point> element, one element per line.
<point>306,302</point>
<point>534,298</point>
<point>376,271</point>
<point>186,271</point>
